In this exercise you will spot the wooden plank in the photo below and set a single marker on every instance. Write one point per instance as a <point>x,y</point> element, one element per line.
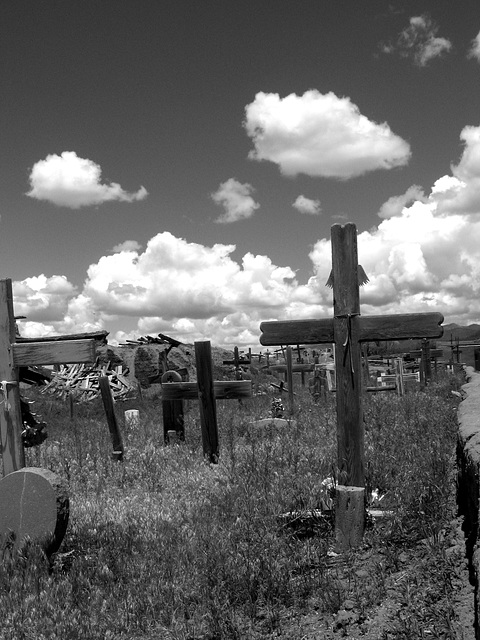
<point>296,331</point>
<point>296,368</point>
<point>401,327</point>
<point>72,351</point>
<point>10,411</point>
<point>434,353</point>
<point>223,390</point>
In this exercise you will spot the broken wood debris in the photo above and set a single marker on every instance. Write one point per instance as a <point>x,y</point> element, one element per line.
<point>159,339</point>
<point>82,382</point>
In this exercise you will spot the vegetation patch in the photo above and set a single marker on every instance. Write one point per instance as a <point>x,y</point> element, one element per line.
<point>163,545</point>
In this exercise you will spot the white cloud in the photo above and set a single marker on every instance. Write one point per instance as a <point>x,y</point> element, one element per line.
<point>424,255</point>
<point>236,199</point>
<point>307,205</point>
<point>474,51</point>
<point>127,245</point>
<point>394,205</point>
<point>70,181</point>
<point>43,299</point>
<point>419,42</point>
<point>320,135</point>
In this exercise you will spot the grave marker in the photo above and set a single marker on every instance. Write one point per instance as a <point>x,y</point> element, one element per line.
<point>206,390</point>
<point>347,330</point>
<point>25,489</point>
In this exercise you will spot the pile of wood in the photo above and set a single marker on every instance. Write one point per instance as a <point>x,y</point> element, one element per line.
<point>82,382</point>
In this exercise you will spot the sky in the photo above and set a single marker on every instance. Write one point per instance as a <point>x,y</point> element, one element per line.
<point>175,166</point>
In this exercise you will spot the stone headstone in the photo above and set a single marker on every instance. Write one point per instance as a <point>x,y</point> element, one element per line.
<point>34,503</point>
<point>132,417</point>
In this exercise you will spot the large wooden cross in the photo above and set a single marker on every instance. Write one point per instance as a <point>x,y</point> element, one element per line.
<point>347,329</point>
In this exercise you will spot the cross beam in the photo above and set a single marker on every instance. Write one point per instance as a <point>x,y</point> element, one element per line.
<point>347,329</point>
<point>16,354</point>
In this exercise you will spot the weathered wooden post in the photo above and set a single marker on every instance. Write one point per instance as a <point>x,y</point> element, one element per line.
<point>291,407</point>
<point>347,330</point>
<point>426,363</point>
<point>398,366</point>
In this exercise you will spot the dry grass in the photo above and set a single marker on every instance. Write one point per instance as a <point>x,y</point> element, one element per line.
<point>166,546</point>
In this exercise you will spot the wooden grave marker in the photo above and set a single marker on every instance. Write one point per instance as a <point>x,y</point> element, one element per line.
<point>33,502</point>
<point>207,391</point>
<point>347,330</point>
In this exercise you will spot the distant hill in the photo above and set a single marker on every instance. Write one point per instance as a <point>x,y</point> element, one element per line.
<point>455,331</point>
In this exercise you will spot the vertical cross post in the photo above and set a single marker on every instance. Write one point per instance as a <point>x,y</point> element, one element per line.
<point>13,455</point>
<point>346,311</point>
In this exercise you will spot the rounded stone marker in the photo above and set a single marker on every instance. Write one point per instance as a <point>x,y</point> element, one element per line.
<point>34,503</point>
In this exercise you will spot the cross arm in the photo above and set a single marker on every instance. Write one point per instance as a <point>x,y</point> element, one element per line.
<point>71,351</point>
<point>223,390</point>
<point>296,332</point>
<point>401,326</point>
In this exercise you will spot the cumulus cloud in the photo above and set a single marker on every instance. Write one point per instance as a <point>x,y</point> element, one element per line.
<point>236,199</point>
<point>320,135</point>
<point>69,181</point>
<point>394,205</point>
<point>43,299</point>
<point>128,245</point>
<point>419,42</point>
<point>424,255</point>
<point>474,51</point>
<point>307,205</point>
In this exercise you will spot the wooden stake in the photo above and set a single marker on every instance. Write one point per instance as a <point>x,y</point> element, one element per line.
<point>111,418</point>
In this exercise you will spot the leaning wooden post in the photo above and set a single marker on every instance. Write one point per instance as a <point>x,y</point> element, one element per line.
<point>290,380</point>
<point>350,491</point>
<point>113,427</point>
<point>13,455</point>
<point>206,396</point>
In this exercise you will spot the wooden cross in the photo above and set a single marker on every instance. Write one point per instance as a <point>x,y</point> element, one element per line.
<point>17,352</point>
<point>33,502</point>
<point>347,329</point>
<point>206,390</point>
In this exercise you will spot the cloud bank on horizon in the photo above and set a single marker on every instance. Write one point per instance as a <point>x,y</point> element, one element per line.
<point>423,255</point>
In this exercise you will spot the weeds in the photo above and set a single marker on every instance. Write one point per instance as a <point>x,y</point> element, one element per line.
<point>166,546</point>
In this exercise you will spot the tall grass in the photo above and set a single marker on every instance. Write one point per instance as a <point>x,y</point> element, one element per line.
<point>163,545</point>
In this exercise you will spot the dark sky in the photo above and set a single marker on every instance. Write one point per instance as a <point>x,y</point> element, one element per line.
<point>154,94</point>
